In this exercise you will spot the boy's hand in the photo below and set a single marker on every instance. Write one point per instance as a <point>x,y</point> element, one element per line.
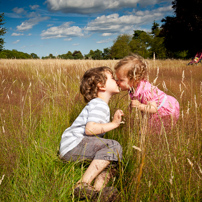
<point>118,117</point>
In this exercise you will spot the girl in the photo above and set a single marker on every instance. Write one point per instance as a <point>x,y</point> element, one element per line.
<point>131,73</point>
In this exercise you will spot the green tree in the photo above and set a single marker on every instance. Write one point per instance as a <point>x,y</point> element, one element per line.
<point>97,55</point>
<point>2,31</point>
<point>51,56</point>
<point>157,47</point>
<point>77,55</point>
<point>157,42</point>
<point>137,34</point>
<point>141,43</point>
<point>14,54</point>
<point>183,32</point>
<point>89,55</point>
<point>121,46</point>
<point>34,56</point>
<point>106,54</point>
<point>155,30</point>
<point>68,55</point>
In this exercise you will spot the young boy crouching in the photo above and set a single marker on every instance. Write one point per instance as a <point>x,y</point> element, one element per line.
<point>84,138</point>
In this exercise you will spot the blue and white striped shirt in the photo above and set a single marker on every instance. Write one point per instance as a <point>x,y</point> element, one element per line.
<point>95,111</point>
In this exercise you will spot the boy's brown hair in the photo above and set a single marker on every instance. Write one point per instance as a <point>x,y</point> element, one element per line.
<point>134,66</point>
<point>90,81</point>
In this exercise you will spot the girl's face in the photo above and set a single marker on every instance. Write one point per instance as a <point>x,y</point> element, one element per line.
<point>123,81</point>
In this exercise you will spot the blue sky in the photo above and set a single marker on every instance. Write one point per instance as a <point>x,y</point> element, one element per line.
<point>59,26</point>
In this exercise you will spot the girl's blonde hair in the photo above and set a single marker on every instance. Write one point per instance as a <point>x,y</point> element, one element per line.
<point>134,67</point>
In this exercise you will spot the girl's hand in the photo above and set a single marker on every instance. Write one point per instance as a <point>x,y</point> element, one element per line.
<point>150,107</point>
<point>135,103</point>
<point>118,117</point>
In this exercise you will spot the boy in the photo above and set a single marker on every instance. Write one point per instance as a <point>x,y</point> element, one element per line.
<point>84,138</point>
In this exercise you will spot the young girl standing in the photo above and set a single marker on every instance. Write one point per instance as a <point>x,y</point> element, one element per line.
<point>131,73</point>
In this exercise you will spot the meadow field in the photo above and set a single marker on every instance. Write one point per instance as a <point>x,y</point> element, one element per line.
<point>39,99</point>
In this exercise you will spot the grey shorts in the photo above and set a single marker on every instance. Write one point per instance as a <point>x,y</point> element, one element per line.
<point>95,148</point>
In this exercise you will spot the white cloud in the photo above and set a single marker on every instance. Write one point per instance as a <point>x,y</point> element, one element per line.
<point>75,44</point>
<point>106,34</point>
<point>32,15</point>
<point>17,34</point>
<point>88,6</point>
<point>12,15</point>
<point>19,10</point>
<point>97,6</point>
<point>144,3</point>
<point>23,47</point>
<point>63,30</point>
<point>17,41</point>
<point>123,24</point>
<point>110,24</point>
<point>28,24</point>
<point>33,7</point>
<point>104,41</point>
<point>68,39</point>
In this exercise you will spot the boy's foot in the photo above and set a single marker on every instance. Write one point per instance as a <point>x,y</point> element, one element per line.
<point>84,190</point>
<point>109,194</point>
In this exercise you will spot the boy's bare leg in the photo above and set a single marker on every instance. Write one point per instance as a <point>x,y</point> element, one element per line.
<point>102,179</point>
<point>94,169</point>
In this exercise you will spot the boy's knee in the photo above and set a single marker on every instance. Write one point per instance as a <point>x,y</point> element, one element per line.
<point>118,148</point>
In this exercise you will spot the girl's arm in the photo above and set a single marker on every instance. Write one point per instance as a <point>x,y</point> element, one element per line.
<point>93,128</point>
<point>151,107</point>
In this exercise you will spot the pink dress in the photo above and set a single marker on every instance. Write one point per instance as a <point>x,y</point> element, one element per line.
<point>168,106</point>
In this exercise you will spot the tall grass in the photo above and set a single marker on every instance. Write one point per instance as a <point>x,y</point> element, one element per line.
<point>40,99</point>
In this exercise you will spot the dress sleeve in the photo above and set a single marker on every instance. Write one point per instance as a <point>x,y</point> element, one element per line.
<point>145,92</point>
<point>147,96</point>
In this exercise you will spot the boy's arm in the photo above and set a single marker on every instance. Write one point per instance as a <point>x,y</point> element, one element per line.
<point>151,107</point>
<point>93,128</point>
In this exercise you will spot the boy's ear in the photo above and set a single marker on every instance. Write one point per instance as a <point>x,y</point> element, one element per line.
<point>100,86</point>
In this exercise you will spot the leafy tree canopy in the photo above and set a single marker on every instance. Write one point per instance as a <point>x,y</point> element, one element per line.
<point>106,53</point>
<point>14,54</point>
<point>121,46</point>
<point>183,32</point>
<point>77,55</point>
<point>140,43</point>
<point>2,31</point>
<point>68,55</point>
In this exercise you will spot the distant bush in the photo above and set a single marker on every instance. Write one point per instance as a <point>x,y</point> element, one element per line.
<point>14,54</point>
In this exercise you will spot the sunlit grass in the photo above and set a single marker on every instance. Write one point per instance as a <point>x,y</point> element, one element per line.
<point>40,99</point>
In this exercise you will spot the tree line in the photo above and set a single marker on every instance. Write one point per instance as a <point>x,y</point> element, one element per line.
<point>178,37</point>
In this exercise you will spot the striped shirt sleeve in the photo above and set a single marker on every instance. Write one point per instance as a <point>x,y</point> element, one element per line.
<point>99,113</point>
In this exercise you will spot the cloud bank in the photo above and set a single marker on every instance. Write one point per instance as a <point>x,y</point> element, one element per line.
<point>62,31</point>
<point>97,6</point>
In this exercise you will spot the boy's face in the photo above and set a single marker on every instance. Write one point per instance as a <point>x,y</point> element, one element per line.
<point>123,81</point>
<point>111,85</point>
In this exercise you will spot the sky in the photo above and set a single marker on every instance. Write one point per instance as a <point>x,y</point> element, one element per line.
<point>58,26</point>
